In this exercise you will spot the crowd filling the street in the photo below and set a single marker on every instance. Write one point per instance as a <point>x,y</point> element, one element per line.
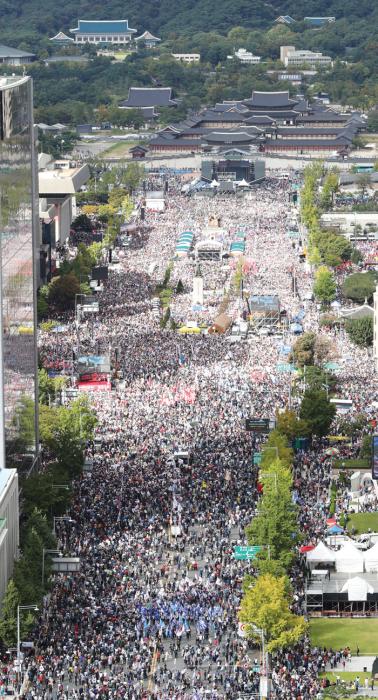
<point>153,612</point>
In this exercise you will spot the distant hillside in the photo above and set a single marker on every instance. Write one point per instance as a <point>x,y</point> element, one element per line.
<point>21,19</point>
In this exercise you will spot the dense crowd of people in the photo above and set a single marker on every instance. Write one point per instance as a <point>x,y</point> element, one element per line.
<point>153,612</point>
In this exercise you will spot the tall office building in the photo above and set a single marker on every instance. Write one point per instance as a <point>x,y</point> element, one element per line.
<point>18,260</point>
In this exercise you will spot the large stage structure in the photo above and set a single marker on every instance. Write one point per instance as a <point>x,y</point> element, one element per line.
<point>211,244</point>
<point>264,311</point>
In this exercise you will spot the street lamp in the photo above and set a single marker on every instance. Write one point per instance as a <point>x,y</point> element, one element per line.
<point>44,552</point>
<point>63,517</point>
<point>21,607</point>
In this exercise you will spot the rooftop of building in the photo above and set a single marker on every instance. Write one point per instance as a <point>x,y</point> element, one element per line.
<point>270,99</point>
<point>6,475</point>
<point>147,36</point>
<point>10,52</point>
<point>303,143</point>
<point>119,26</point>
<point>319,20</point>
<point>62,181</point>
<point>61,36</point>
<point>148,97</point>
<point>10,81</point>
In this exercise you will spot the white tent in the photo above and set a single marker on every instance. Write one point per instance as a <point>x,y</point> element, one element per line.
<point>371,558</point>
<point>320,555</point>
<point>243,183</point>
<point>349,559</point>
<point>357,589</point>
<point>214,183</point>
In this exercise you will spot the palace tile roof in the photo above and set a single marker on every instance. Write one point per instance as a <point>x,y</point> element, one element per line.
<point>314,130</point>
<point>102,27</point>
<point>270,99</point>
<point>147,36</point>
<point>148,97</point>
<point>229,137</point>
<point>9,52</point>
<point>302,143</point>
<point>321,117</point>
<point>212,115</point>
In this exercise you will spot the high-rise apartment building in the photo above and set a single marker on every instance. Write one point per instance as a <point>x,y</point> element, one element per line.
<point>18,267</point>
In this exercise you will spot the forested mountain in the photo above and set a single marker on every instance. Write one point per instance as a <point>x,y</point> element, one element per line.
<point>24,20</point>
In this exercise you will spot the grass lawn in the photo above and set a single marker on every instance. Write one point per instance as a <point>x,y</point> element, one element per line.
<point>339,633</point>
<point>355,464</point>
<point>362,522</point>
<point>346,676</point>
<point>120,149</point>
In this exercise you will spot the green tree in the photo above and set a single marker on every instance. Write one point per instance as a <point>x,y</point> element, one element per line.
<point>275,526</point>
<point>63,291</point>
<point>64,432</point>
<point>132,176</point>
<point>317,410</point>
<point>330,186</point>
<point>325,285</point>
<point>38,493</point>
<point>82,223</point>
<point>360,286</point>
<point>180,287</point>
<point>28,569</point>
<point>8,617</point>
<point>303,350</point>
<point>266,606</point>
<point>276,446</point>
<point>288,423</point>
<point>361,331</point>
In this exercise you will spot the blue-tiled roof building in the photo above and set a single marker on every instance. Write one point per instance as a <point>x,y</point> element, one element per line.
<point>318,22</point>
<point>103,32</point>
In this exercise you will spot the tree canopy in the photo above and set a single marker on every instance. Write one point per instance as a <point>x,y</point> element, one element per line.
<point>266,607</point>
<point>325,285</point>
<point>361,331</point>
<point>360,286</point>
<point>317,410</point>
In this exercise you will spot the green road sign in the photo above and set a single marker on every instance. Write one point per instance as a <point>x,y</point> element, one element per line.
<point>243,553</point>
<point>257,457</point>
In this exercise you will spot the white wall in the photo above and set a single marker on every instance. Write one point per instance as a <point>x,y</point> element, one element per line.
<point>9,533</point>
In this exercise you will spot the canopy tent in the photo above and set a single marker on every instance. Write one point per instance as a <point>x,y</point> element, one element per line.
<point>357,589</point>
<point>371,559</point>
<point>243,183</point>
<point>320,555</point>
<point>335,530</point>
<point>349,559</point>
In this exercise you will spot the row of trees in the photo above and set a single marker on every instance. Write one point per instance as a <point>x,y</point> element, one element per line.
<point>265,606</point>
<point>325,247</point>
<point>114,188</point>
<point>64,431</point>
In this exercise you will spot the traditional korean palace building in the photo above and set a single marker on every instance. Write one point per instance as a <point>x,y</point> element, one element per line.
<point>103,32</point>
<point>266,122</point>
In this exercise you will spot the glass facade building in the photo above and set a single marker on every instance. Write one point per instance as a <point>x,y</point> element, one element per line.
<point>18,260</point>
